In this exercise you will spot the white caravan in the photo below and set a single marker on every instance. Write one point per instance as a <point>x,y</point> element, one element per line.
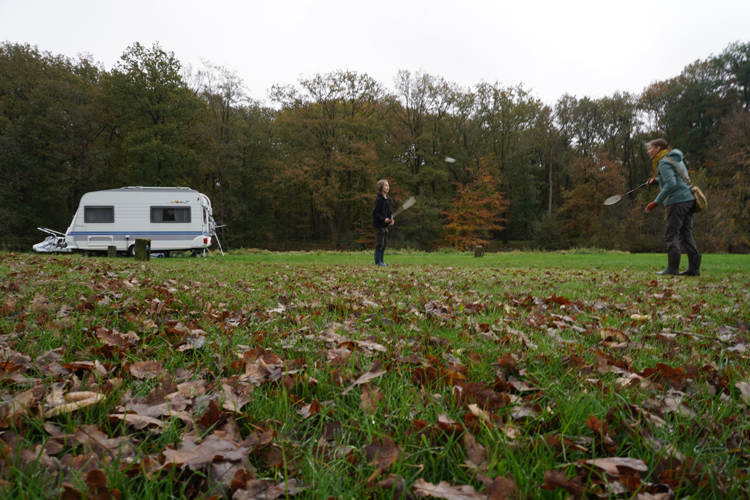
<point>173,218</point>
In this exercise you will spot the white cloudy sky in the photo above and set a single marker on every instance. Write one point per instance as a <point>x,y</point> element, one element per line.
<point>585,48</point>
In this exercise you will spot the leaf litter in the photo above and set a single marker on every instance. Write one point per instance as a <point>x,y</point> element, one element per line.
<point>249,374</point>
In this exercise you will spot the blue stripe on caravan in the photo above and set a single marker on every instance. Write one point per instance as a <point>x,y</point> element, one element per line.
<point>144,233</point>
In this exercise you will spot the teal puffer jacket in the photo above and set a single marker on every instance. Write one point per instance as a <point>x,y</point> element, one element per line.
<point>673,187</point>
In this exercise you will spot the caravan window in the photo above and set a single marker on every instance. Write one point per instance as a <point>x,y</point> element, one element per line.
<point>98,214</point>
<point>170,214</point>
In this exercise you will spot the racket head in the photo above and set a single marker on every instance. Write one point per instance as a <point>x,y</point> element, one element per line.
<point>613,199</point>
<point>408,203</point>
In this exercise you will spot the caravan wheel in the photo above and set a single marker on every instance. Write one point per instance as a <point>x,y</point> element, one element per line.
<point>131,251</point>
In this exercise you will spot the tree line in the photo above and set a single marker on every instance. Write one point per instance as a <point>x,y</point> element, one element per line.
<point>486,163</point>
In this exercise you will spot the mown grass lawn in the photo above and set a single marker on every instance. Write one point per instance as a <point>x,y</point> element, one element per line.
<point>319,375</point>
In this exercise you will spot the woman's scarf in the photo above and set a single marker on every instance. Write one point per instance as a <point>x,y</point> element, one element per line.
<point>661,154</point>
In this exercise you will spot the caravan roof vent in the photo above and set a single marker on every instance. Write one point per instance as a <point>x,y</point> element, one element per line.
<point>158,188</point>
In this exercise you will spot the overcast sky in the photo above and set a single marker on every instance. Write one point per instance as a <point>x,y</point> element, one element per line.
<point>584,48</point>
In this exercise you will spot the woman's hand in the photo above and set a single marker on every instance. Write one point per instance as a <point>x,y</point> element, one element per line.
<point>392,221</point>
<point>651,181</point>
<point>650,207</point>
<point>387,220</point>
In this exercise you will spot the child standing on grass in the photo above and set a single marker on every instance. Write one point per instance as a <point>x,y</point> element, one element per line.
<point>382,218</point>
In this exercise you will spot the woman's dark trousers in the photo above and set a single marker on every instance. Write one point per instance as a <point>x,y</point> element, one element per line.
<point>680,232</point>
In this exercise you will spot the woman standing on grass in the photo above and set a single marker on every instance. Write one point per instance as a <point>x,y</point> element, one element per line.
<point>382,218</point>
<point>676,195</point>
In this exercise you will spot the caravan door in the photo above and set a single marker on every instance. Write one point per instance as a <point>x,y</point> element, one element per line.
<point>209,226</point>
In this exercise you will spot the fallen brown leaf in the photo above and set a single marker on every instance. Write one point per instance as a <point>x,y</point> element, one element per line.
<point>501,488</point>
<point>556,479</point>
<point>70,493</point>
<point>145,370</point>
<point>266,490</point>
<point>198,455</point>
<point>476,454</point>
<point>212,415</point>
<point>376,370</point>
<point>610,465</point>
<point>396,485</point>
<point>76,404</point>
<point>371,397</point>
<point>96,480</point>
<point>91,438</point>
<point>744,388</point>
<point>232,402</point>
<point>444,490</point>
<point>14,412</point>
<point>613,334</point>
<point>308,410</point>
<point>448,425</point>
<point>382,455</point>
<point>115,338</point>
<point>139,421</point>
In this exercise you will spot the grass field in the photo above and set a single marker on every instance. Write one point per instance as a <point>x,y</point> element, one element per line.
<point>318,375</point>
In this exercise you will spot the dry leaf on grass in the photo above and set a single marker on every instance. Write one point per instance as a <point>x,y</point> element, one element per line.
<point>476,454</point>
<point>483,415</point>
<point>261,371</point>
<point>70,492</point>
<point>369,345</point>
<point>145,370</point>
<point>197,455</point>
<point>115,338</point>
<point>211,415</point>
<point>40,303</point>
<point>338,356</point>
<point>76,404</point>
<point>744,388</point>
<point>444,490</point>
<point>613,334</point>
<point>138,422</point>
<point>15,411</point>
<point>556,479</point>
<point>91,438</point>
<point>610,465</point>
<point>74,397</point>
<point>448,425</point>
<point>96,480</point>
<point>172,408</point>
<point>330,335</point>
<point>654,496</point>
<point>221,474</point>
<point>53,430</point>
<point>39,455</point>
<point>232,402</point>
<point>500,488</point>
<point>376,370</point>
<point>396,485</point>
<point>371,398</point>
<point>192,389</point>
<point>266,490</point>
<point>308,410</point>
<point>382,455</point>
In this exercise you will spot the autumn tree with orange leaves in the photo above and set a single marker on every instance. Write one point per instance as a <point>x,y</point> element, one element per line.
<point>476,212</point>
